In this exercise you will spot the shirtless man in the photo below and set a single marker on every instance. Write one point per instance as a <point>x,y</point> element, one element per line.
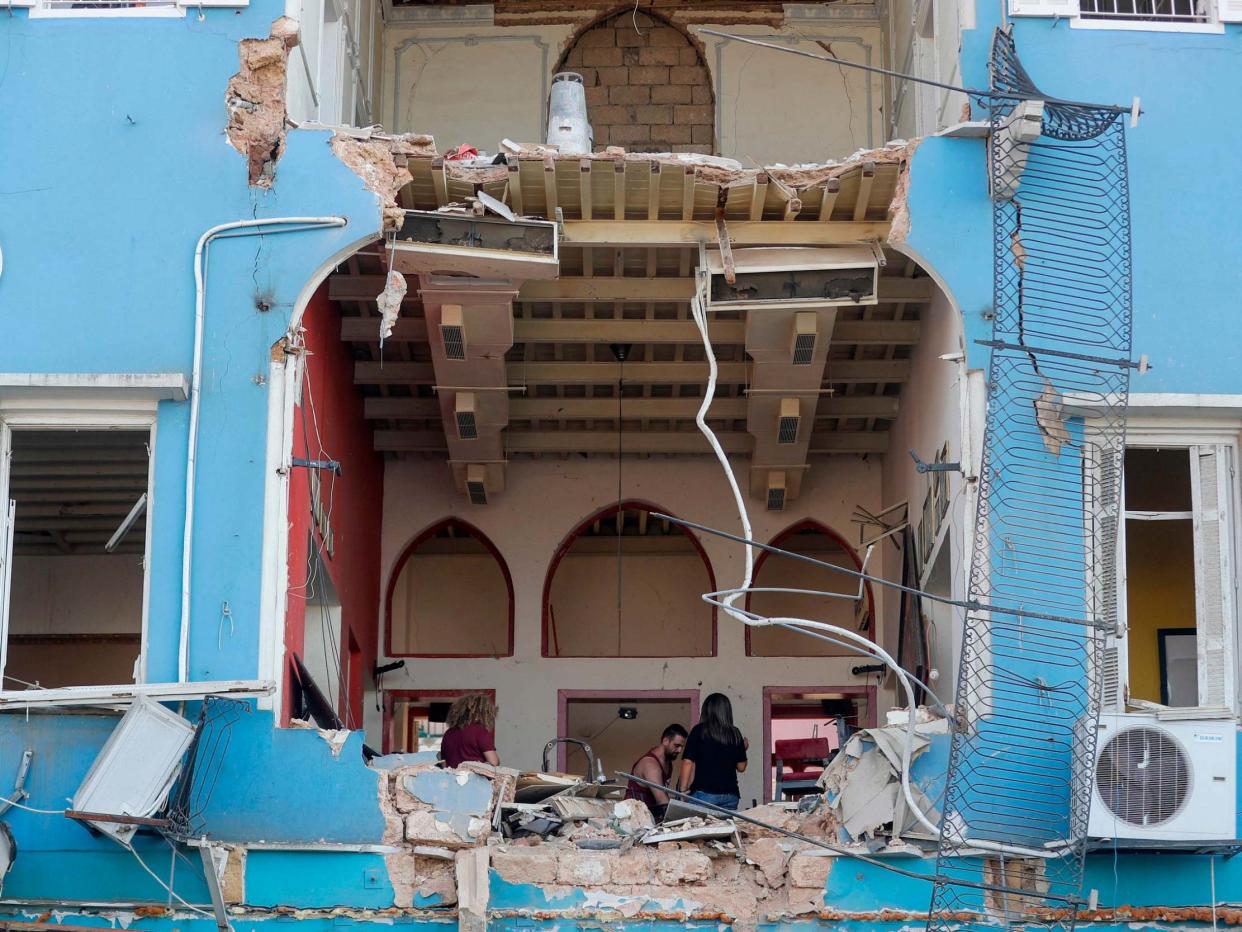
<point>656,766</point>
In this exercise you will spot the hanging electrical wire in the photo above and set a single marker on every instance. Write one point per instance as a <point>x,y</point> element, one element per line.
<point>851,640</point>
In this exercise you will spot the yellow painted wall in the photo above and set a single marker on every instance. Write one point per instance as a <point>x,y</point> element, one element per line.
<point>1160,593</point>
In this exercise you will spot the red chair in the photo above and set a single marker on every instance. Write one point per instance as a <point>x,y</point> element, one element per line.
<point>799,764</point>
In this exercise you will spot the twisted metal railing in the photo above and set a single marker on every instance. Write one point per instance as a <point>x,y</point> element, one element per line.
<point>1028,695</point>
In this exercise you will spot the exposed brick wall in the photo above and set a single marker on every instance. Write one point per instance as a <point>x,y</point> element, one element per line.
<point>648,92</point>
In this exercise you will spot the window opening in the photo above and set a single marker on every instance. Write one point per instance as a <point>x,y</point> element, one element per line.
<point>805,729</point>
<point>415,721</point>
<point>79,502</point>
<point>619,728</point>
<point>1154,11</point>
<point>1177,552</point>
<point>321,642</point>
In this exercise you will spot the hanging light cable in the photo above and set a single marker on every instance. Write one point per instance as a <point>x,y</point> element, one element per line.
<point>619,351</point>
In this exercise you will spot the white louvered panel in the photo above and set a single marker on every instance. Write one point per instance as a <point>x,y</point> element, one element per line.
<point>1110,675</point>
<point>8,510</point>
<point>1212,594</point>
<point>1230,11</point>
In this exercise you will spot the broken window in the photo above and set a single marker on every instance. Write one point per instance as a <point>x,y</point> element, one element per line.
<point>73,549</point>
<point>450,596</point>
<point>1177,563</point>
<point>627,584</point>
<point>775,571</point>
<point>805,728</point>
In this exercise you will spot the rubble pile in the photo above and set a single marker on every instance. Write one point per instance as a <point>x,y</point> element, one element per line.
<point>596,854</point>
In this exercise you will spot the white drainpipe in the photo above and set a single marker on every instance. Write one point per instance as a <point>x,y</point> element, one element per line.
<point>254,227</point>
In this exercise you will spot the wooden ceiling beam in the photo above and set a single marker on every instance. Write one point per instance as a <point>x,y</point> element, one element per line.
<point>651,442</point>
<point>892,289</point>
<point>412,330</point>
<point>741,232</point>
<point>599,373</point>
<point>659,409</point>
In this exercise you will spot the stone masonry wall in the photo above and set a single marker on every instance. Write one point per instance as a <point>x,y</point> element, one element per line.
<point>647,86</point>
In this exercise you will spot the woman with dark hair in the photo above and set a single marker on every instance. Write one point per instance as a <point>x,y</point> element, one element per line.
<point>715,754</point>
<point>471,734</point>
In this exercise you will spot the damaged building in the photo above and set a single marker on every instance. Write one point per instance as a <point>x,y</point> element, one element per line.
<point>862,361</point>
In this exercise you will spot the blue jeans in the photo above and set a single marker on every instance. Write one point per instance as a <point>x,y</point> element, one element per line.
<point>723,800</point>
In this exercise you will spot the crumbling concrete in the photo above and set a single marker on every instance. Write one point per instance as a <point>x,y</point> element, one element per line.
<point>255,99</point>
<point>380,161</point>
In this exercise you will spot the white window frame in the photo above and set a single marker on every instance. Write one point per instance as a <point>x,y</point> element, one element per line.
<point>1221,12</point>
<point>40,10</point>
<point>83,412</point>
<point>1191,435</point>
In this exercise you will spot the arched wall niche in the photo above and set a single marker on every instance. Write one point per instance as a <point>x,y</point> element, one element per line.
<point>450,595</point>
<point>662,575</point>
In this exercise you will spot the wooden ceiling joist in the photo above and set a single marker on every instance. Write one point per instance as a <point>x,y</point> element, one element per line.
<point>601,373</point>
<point>604,289</point>
<point>656,409</point>
<point>634,442</point>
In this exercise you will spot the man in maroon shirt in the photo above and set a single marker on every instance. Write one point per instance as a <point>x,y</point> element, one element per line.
<point>656,766</point>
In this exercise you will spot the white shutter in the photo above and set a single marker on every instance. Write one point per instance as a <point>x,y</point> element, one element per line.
<point>1063,8</point>
<point>1209,479</point>
<point>8,509</point>
<point>1229,11</point>
<point>1106,567</point>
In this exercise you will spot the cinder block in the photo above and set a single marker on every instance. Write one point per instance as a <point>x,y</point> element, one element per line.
<point>602,56</point>
<point>612,114</point>
<point>692,113</point>
<point>584,869</point>
<point>620,134</point>
<point>701,134</point>
<point>672,94</point>
<point>656,115</point>
<point>525,865</point>
<point>658,56</point>
<point>675,134</point>
<point>673,867</point>
<point>632,867</point>
<point>700,94</point>
<point>612,76</point>
<point>630,94</point>
<point>689,56</point>
<point>809,871</point>
<point>665,37</point>
<point>626,36</point>
<point>650,74</point>
<point>597,38</point>
<point>687,74</point>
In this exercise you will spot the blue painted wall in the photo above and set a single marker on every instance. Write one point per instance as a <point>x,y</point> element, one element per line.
<point>1184,199</point>
<point>115,161</point>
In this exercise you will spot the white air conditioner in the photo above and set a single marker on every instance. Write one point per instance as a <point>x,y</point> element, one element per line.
<point>1164,780</point>
<point>792,278</point>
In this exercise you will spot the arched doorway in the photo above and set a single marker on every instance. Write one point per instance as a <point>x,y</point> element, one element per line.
<point>661,573</point>
<point>648,87</point>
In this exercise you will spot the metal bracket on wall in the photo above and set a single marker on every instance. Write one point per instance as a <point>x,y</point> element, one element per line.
<point>331,465</point>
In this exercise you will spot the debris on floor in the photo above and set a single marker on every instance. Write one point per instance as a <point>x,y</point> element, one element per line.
<point>568,835</point>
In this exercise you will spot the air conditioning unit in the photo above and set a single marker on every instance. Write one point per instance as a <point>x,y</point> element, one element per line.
<point>1164,780</point>
<point>791,278</point>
